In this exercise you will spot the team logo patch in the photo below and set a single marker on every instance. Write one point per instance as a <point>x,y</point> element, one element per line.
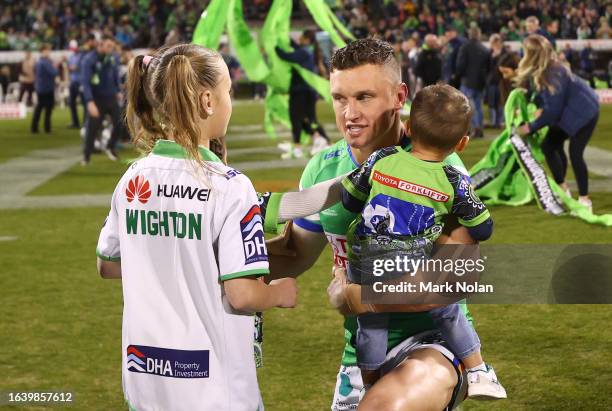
<point>167,362</point>
<point>386,216</point>
<point>409,187</point>
<point>138,188</point>
<point>251,228</point>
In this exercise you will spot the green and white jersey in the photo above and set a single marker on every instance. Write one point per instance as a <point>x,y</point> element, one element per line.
<point>402,202</point>
<point>180,230</point>
<point>334,223</point>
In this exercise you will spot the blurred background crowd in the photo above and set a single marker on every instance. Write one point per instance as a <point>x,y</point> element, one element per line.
<point>152,23</point>
<point>464,43</point>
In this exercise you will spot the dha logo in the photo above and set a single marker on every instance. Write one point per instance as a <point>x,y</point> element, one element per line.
<point>251,228</point>
<point>138,187</point>
<point>136,360</point>
<point>167,362</point>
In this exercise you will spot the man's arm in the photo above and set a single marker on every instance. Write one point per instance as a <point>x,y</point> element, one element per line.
<point>86,73</point>
<point>294,252</point>
<point>346,298</point>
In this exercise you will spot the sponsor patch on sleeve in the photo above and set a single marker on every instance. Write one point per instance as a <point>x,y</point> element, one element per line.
<point>251,228</point>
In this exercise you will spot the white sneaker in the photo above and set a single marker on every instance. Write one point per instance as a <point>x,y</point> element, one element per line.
<point>319,144</point>
<point>587,203</point>
<point>286,147</point>
<point>483,385</point>
<point>295,153</point>
<point>111,155</point>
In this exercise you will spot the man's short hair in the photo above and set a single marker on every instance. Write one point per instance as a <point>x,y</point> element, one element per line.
<point>440,116</point>
<point>362,52</point>
<point>533,19</point>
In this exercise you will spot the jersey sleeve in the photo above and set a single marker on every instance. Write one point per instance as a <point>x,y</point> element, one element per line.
<point>108,243</point>
<point>309,177</point>
<point>357,185</point>
<point>241,246</point>
<point>469,209</point>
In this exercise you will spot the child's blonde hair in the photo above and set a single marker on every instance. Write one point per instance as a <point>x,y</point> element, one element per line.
<point>163,97</point>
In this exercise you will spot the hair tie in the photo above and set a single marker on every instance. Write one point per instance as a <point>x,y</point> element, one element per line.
<point>146,60</point>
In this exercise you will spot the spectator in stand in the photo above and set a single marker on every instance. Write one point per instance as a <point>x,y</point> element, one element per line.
<point>44,83</point>
<point>472,67</point>
<point>604,32</point>
<point>26,78</point>
<point>496,108</point>
<point>429,62</point>
<point>75,84</point>
<point>532,26</point>
<point>454,42</point>
<point>101,87</point>
<point>584,31</point>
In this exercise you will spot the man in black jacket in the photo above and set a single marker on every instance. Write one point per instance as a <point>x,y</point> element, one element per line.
<point>302,98</point>
<point>100,83</point>
<point>472,68</point>
<point>429,63</point>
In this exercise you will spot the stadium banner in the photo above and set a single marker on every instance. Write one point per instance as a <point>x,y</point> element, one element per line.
<point>12,111</point>
<point>511,173</point>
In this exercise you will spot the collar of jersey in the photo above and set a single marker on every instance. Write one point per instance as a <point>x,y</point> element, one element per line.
<point>422,163</point>
<point>169,148</point>
<point>404,143</point>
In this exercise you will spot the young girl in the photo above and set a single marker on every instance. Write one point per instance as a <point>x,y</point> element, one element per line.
<point>185,235</point>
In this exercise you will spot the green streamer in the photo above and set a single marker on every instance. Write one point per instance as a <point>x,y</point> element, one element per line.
<point>320,13</point>
<point>499,178</point>
<point>208,31</point>
<point>245,47</point>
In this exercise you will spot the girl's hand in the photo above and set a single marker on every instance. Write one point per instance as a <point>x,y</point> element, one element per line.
<point>287,292</point>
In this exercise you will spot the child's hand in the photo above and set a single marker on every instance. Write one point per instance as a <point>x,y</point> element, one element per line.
<point>287,292</point>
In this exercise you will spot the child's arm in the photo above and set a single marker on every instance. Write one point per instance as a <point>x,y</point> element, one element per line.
<point>251,294</point>
<point>469,209</point>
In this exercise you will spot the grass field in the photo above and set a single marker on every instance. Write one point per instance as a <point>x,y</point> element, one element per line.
<point>61,324</point>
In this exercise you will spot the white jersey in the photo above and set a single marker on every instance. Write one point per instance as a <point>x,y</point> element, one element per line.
<point>179,234</point>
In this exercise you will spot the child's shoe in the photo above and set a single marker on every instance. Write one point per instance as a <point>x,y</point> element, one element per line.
<point>483,385</point>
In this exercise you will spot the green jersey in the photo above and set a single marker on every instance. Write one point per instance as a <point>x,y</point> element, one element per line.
<point>334,223</point>
<point>402,202</point>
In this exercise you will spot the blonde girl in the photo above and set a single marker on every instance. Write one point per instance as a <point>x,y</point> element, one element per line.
<point>184,234</point>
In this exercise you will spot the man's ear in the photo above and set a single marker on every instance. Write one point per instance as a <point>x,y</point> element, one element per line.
<point>206,104</point>
<point>402,96</point>
<point>462,144</point>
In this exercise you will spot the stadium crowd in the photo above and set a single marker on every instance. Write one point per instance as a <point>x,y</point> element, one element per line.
<point>152,23</point>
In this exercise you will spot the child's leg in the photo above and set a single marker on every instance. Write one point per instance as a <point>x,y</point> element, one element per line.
<point>371,344</point>
<point>464,342</point>
<point>458,333</point>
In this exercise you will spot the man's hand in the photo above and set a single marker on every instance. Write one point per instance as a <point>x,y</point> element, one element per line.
<point>336,291</point>
<point>92,109</point>
<point>279,245</point>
